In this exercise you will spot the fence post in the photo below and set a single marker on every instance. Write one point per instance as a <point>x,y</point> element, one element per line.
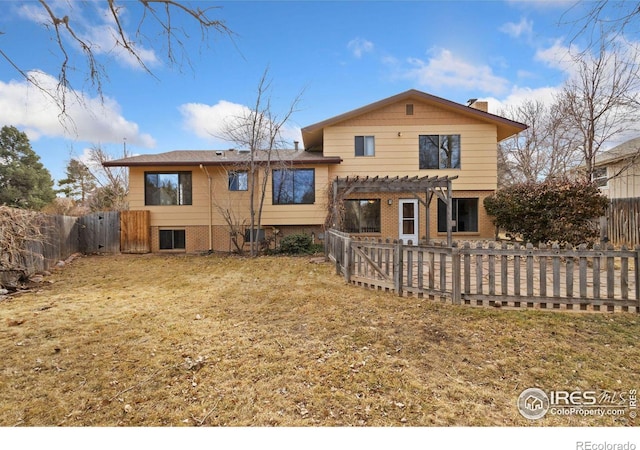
<point>398,266</point>
<point>456,296</point>
<point>347,260</point>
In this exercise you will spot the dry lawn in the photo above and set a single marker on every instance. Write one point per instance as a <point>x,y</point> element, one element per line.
<point>226,341</point>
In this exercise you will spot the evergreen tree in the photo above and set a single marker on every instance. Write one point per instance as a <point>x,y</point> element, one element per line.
<point>24,181</point>
<point>79,182</point>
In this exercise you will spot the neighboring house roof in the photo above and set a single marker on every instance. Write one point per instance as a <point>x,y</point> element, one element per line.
<point>221,158</point>
<point>626,150</point>
<point>312,135</point>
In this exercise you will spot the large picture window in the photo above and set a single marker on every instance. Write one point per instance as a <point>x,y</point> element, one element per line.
<point>465,215</point>
<point>294,186</point>
<point>439,151</point>
<point>362,216</point>
<point>167,188</point>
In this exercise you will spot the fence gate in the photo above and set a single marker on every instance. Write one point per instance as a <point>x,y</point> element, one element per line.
<point>99,232</point>
<point>135,232</point>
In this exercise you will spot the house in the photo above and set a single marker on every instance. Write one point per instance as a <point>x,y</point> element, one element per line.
<point>396,168</point>
<point>617,171</point>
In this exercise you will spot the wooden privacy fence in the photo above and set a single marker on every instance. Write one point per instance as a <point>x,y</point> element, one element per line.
<point>623,221</point>
<point>61,236</point>
<point>486,274</point>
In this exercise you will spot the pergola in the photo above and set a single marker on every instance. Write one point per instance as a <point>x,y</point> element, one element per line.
<point>436,185</point>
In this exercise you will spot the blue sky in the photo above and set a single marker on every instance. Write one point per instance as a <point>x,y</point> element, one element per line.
<point>340,54</point>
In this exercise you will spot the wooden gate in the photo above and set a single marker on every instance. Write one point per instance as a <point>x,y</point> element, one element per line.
<point>98,232</point>
<point>135,232</point>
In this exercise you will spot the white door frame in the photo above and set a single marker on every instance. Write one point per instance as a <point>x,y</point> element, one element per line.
<point>406,237</point>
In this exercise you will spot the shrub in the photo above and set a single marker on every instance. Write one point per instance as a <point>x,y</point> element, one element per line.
<point>560,211</point>
<point>296,244</point>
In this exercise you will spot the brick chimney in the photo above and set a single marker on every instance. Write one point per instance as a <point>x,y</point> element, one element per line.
<point>482,106</point>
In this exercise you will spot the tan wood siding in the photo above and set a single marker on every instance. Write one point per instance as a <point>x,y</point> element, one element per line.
<point>626,185</point>
<point>398,155</point>
<point>312,214</point>
<point>236,202</point>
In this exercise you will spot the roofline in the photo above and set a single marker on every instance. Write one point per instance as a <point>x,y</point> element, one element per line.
<point>124,163</point>
<point>407,94</point>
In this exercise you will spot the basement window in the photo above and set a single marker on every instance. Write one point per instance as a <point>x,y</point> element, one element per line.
<point>172,240</point>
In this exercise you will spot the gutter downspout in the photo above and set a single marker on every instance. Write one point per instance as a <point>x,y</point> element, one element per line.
<point>204,169</point>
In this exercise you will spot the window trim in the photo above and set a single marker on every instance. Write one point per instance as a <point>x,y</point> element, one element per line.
<point>364,139</point>
<point>179,173</point>
<point>292,172</point>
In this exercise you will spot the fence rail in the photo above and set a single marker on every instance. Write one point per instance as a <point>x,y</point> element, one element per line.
<point>486,274</point>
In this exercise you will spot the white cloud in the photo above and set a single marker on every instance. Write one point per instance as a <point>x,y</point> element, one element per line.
<point>359,46</point>
<point>444,69</point>
<point>519,95</point>
<point>524,28</point>
<point>209,121</point>
<point>37,111</point>
<point>558,56</point>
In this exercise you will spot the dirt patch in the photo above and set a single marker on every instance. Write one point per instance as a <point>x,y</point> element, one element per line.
<point>146,340</point>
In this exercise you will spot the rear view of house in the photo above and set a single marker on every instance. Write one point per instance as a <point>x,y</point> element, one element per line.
<point>411,166</point>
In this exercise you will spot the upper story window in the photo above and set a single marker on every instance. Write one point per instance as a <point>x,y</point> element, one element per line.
<point>294,186</point>
<point>439,151</point>
<point>238,180</point>
<point>365,146</point>
<point>409,109</point>
<point>167,188</point>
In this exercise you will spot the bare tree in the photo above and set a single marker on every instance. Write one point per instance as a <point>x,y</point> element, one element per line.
<point>70,33</point>
<point>113,182</point>
<point>544,150</point>
<point>601,102</point>
<point>603,22</point>
<point>259,130</point>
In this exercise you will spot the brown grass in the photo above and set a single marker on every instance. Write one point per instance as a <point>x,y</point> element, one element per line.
<point>226,341</point>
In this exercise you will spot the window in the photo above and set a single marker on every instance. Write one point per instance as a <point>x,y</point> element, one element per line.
<point>362,216</point>
<point>167,188</point>
<point>409,109</point>
<point>172,240</point>
<point>294,186</point>
<point>365,146</point>
<point>238,181</point>
<point>439,151</point>
<point>465,215</point>
<point>599,177</point>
